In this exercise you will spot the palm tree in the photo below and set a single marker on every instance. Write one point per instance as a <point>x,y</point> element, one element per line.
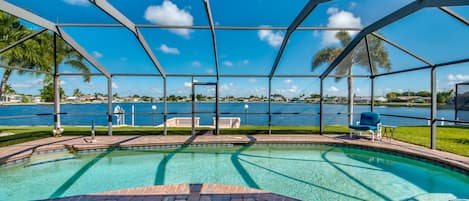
<point>77,92</point>
<point>379,59</point>
<point>35,53</point>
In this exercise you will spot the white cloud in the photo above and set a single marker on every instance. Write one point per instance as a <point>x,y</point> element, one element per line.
<point>187,84</point>
<point>288,81</point>
<point>210,71</point>
<point>196,64</point>
<point>114,85</point>
<point>63,82</point>
<point>339,18</point>
<point>169,14</point>
<point>273,38</point>
<point>252,80</point>
<point>458,77</point>
<point>332,10</point>
<point>224,87</point>
<point>97,54</point>
<point>259,91</point>
<point>332,89</point>
<point>228,63</point>
<point>169,50</point>
<point>28,84</point>
<point>454,79</point>
<point>293,89</point>
<point>357,90</point>
<point>78,2</point>
<point>244,62</point>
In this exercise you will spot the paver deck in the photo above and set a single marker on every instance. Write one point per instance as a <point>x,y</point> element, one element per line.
<point>24,150</point>
<point>183,192</point>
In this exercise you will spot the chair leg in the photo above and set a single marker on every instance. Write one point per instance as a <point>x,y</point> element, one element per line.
<point>372,136</point>
<point>350,134</point>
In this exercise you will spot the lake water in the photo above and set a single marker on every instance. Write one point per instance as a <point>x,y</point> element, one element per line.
<point>83,114</point>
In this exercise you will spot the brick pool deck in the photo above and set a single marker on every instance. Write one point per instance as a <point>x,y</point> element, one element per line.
<point>21,152</point>
<point>182,192</point>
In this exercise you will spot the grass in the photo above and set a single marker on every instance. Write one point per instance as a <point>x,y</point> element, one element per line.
<point>450,139</point>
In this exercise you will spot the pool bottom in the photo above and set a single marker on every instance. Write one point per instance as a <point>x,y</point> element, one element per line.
<point>313,172</point>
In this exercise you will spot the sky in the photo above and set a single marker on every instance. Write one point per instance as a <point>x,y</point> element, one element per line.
<point>429,33</point>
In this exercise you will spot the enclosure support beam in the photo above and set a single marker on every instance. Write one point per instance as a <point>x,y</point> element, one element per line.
<point>426,67</point>
<point>372,94</point>
<point>370,62</point>
<point>21,41</point>
<point>215,54</point>
<point>109,106</point>
<point>33,18</point>
<point>433,108</point>
<point>454,15</point>
<point>321,105</point>
<point>310,6</point>
<point>401,48</point>
<point>395,16</point>
<point>372,78</point>
<point>239,28</point>
<point>456,103</point>
<point>217,109</point>
<point>208,75</point>
<point>118,16</point>
<point>165,109</point>
<point>270,106</point>
<point>56,91</point>
<point>193,106</point>
<point>25,69</point>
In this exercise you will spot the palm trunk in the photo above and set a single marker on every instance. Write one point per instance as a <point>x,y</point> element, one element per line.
<point>3,84</point>
<point>350,97</point>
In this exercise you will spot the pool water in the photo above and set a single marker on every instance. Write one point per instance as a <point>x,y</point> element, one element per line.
<point>307,172</point>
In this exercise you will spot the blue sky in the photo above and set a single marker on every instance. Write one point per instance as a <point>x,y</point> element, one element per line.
<point>429,33</point>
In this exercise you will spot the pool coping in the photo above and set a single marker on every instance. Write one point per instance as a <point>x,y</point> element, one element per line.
<point>21,153</point>
<point>183,192</point>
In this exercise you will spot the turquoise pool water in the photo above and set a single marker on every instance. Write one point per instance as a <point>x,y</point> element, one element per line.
<point>307,172</point>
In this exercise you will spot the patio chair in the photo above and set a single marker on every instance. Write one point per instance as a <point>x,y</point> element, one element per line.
<point>369,122</point>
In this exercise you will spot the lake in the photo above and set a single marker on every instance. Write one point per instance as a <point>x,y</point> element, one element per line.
<point>84,114</point>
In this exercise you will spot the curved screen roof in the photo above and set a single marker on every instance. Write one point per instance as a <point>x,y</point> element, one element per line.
<point>253,38</point>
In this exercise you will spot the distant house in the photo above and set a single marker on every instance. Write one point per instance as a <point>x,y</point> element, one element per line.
<point>362,99</point>
<point>12,98</point>
<point>381,99</point>
<point>277,99</point>
<point>72,98</point>
<point>36,99</point>
<point>87,98</point>
<point>407,98</point>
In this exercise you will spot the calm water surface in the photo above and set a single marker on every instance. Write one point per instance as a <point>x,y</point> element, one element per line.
<point>83,114</point>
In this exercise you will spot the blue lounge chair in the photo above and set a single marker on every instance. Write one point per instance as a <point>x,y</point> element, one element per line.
<point>369,122</point>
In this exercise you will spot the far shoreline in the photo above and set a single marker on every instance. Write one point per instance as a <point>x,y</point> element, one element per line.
<point>390,104</point>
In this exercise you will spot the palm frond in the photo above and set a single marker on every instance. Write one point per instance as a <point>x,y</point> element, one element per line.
<point>82,67</point>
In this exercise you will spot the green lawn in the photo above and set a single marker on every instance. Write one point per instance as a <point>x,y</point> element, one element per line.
<point>451,139</point>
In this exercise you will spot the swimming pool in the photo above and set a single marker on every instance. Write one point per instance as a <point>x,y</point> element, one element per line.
<point>307,172</point>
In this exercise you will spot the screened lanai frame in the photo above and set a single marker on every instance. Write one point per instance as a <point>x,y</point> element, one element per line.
<point>123,21</point>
